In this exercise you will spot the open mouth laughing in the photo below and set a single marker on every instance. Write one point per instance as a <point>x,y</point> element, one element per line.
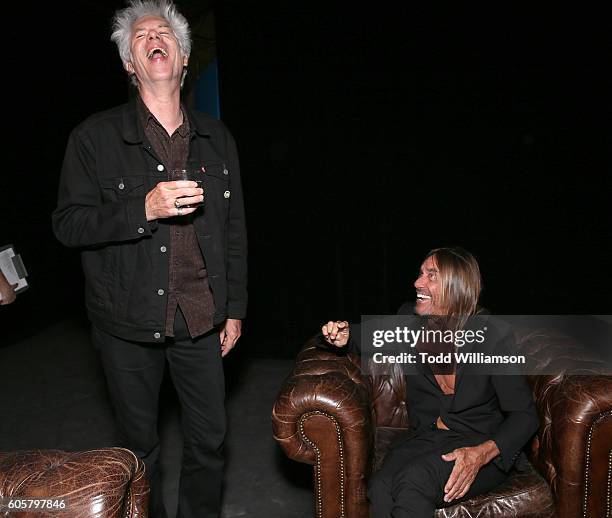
<point>157,53</point>
<point>421,297</point>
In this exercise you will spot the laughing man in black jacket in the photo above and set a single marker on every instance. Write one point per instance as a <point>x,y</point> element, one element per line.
<point>164,259</point>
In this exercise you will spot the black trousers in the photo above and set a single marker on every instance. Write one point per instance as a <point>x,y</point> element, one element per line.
<point>411,481</point>
<point>134,372</point>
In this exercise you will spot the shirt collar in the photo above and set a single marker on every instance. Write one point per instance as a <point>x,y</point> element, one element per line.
<point>146,118</point>
<point>133,127</point>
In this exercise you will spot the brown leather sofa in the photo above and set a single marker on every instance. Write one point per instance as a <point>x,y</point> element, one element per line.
<point>104,483</point>
<point>330,415</point>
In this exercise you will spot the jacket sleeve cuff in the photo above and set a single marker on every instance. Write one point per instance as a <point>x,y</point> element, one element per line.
<point>236,311</point>
<point>507,455</point>
<point>137,219</point>
<point>321,343</point>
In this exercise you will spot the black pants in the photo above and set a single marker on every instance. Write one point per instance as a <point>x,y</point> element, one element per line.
<point>134,372</point>
<point>412,479</point>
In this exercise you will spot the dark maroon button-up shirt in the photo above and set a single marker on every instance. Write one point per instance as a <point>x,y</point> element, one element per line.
<point>188,287</point>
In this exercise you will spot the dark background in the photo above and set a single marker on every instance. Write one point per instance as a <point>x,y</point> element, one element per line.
<point>366,137</point>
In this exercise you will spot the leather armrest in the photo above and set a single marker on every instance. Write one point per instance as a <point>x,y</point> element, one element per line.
<point>138,496</point>
<point>324,383</point>
<point>572,448</point>
<point>323,416</point>
<point>109,480</point>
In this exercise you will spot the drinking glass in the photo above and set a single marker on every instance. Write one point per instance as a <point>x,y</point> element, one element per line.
<point>193,172</point>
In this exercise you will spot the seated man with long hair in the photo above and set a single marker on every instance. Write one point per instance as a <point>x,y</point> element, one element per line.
<point>467,435</point>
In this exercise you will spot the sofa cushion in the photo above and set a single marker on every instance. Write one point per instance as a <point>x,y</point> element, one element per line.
<point>523,494</point>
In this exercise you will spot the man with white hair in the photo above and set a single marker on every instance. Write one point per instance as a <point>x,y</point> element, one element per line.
<point>164,261</point>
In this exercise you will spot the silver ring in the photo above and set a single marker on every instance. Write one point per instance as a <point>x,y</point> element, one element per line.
<point>176,203</point>
<point>179,211</point>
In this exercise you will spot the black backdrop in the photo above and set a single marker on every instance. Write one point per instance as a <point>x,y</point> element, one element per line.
<point>366,139</point>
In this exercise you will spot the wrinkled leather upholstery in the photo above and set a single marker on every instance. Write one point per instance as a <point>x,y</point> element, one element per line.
<point>104,483</point>
<point>332,416</point>
<point>323,404</point>
<point>572,449</point>
<point>523,495</point>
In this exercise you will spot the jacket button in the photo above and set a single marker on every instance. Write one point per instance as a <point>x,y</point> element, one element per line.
<point>226,194</point>
<point>160,292</point>
<point>121,186</point>
<point>160,167</point>
<point>156,335</point>
<point>140,230</point>
<point>162,249</point>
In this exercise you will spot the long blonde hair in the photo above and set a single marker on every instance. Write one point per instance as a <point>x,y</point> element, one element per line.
<point>461,281</point>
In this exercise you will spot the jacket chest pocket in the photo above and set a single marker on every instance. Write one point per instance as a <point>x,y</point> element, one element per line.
<point>216,183</point>
<point>120,187</point>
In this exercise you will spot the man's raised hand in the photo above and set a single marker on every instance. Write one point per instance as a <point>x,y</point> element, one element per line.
<point>336,333</point>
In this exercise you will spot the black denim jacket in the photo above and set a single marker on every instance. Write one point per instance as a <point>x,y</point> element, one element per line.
<point>108,169</point>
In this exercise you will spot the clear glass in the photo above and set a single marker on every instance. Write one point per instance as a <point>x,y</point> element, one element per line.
<point>193,172</point>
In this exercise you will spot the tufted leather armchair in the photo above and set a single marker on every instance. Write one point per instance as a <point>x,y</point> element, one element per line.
<point>105,483</point>
<point>332,416</point>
